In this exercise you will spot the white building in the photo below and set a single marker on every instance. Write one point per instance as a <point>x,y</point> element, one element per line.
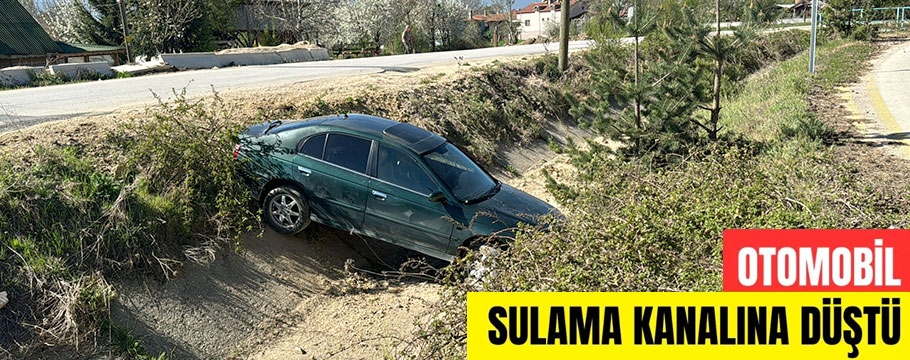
<point>540,19</point>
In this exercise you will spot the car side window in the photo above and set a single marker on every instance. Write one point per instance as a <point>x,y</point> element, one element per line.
<point>347,151</point>
<point>314,146</point>
<point>397,168</point>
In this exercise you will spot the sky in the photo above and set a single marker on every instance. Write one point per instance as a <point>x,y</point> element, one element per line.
<point>520,4</point>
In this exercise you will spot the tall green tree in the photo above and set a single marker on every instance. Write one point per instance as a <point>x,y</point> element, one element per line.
<point>98,22</point>
<point>645,102</point>
<point>162,26</point>
<point>721,51</point>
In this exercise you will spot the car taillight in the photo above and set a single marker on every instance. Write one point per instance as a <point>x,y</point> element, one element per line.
<point>236,150</point>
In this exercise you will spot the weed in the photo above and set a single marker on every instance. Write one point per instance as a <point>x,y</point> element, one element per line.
<point>480,111</point>
<point>46,78</point>
<point>554,146</point>
<point>124,342</point>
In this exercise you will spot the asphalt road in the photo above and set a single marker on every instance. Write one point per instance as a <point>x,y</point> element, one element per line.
<point>25,107</point>
<point>890,91</point>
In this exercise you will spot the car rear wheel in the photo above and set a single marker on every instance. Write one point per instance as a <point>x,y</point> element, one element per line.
<point>286,210</point>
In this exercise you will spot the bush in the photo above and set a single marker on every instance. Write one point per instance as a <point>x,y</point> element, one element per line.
<point>45,78</point>
<point>865,32</point>
<point>68,222</point>
<point>483,111</point>
<point>767,49</point>
<point>178,168</point>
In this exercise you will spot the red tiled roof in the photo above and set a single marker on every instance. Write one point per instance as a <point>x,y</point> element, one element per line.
<point>492,17</point>
<point>542,6</point>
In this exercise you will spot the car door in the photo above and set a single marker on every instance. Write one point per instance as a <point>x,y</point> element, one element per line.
<point>398,208</point>
<point>332,169</point>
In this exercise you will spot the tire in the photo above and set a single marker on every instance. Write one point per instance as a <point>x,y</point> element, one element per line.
<point>286,210</point>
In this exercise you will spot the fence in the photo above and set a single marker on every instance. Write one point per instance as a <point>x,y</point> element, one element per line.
<point>884,15</point>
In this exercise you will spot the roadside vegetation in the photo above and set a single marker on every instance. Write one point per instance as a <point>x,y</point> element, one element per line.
<point>71,220</point>
<point>46,78</point>
<point>646,216</point>
<point>163,26</point>
<point>651,220</point>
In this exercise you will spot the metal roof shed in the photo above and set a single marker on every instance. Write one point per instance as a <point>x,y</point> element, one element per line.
<point>24,42</point>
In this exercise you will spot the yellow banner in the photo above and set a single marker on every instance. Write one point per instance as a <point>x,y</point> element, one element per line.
<point>707,325</point>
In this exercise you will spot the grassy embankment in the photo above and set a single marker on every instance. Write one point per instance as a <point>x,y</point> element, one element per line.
<point>635,227</point>
<point>161,190</point>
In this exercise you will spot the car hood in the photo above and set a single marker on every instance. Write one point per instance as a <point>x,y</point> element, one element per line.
<point>513,205</point>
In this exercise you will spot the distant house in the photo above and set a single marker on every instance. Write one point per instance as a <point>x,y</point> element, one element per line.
<point>802,8</point>
<point>24,42</point>
<point>537,19</point>
<point>487,21</point>
<point>495,21</point>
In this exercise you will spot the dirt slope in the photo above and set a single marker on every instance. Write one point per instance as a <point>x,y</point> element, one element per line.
<point>275,283</point>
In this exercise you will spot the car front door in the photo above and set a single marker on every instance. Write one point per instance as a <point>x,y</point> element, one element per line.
<point>398,208</point>
<point>332,169</point>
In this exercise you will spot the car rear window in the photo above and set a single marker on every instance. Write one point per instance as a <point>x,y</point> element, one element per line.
<point>314,146</point>
<point>347,151</point>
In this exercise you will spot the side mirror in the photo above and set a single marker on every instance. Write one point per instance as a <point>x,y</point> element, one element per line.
<point>437,197</point>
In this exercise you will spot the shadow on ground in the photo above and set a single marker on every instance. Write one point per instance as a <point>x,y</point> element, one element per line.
<point>213,310</point>
<point>891,136</point>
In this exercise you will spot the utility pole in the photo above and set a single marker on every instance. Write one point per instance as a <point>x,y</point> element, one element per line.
<point>564,35</point>
<point>812,36</point>
<point>126,33</point>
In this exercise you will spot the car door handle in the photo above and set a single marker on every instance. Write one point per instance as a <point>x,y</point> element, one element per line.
<point>379,195</point>
<point>304,171</point>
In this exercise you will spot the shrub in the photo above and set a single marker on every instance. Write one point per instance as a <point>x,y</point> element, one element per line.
<point>70,220</point>
<point>865,32</point>
<point>482,111</point>
<point>45,78</point>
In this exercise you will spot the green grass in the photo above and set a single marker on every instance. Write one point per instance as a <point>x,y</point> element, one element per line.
<point>773,104</point>
<point>123,341</point>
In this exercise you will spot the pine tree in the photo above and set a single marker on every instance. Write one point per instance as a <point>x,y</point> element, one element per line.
<point>644,99</point>
<point>98,22</point>
<point>721,51</point>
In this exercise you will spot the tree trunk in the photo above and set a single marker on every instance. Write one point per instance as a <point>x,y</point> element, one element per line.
<point>638,122</point>
<point>718,72</point>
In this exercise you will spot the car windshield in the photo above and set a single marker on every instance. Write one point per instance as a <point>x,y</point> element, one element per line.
<point>460,174</point>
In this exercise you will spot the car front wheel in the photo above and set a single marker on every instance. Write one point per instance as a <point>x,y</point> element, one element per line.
<point>286,210</point>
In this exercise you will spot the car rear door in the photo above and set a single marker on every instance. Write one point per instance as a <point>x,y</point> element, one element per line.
<point>398,208</point>
<point>332,169</point>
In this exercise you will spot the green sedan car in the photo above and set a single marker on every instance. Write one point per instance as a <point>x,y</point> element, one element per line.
<point>380,178</point>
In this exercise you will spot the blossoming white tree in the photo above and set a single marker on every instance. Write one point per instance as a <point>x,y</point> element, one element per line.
<point>56,16</point>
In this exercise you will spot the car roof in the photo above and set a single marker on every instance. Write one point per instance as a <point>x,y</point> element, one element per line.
<point>410,136</point>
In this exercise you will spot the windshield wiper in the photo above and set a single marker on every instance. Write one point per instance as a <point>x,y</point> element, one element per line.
<point>490,193</point>
<point>272,125</point>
